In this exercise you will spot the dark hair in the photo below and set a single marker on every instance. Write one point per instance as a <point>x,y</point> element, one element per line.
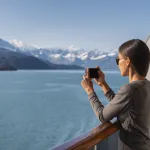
<point>139,54</point>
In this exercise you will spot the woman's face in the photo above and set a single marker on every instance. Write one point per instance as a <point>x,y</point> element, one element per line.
<point>123,65</point>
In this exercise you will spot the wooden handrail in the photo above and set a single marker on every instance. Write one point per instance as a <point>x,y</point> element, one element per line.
<point>91,138</point>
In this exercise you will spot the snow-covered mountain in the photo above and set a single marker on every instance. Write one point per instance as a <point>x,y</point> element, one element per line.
<point>22,45</point>
<point>68,56</point>
<point>6,45</point>
<point>79,57</point>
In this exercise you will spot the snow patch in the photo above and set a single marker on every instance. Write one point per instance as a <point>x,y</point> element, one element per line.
<point>99,57</point>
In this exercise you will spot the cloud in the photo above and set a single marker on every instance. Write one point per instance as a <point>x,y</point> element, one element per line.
<point>18,43</point>
<point>21,44</point>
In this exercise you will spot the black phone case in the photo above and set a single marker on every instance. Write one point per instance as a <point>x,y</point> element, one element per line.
<point>93,72</point>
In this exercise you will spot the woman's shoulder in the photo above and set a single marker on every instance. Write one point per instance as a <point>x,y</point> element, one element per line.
<point>125,89</point>
<point>140,83</point>
<point>134,85</point>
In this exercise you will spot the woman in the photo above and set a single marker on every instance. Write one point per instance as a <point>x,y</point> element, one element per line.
<point>131,104</point>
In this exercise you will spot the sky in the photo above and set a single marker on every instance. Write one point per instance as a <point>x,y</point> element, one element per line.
<point>88,24</point>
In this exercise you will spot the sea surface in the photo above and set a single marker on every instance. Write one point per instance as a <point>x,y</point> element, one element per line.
<point>43,109</point>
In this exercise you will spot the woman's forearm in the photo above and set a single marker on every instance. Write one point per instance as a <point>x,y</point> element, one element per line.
<point>105,88</point>
<point>108,92</point>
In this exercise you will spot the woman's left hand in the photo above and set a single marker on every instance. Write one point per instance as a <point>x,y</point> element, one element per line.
<point>87,84</point>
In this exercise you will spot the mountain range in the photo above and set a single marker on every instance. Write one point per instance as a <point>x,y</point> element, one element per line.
<point>14,58</point>
<point>78,58</point>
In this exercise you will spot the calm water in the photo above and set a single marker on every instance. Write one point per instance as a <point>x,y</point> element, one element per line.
<point>42,109</point>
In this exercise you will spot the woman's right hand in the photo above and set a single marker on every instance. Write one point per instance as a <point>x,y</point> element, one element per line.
<point>101,80</point>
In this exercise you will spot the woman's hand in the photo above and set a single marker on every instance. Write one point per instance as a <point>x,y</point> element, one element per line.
<point>87,83</point>
<point>101,80</point>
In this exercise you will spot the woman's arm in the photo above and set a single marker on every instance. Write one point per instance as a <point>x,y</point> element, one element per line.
<point>119,103</point>
<point>108,92</point>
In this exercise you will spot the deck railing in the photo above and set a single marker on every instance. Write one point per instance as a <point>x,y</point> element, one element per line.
<point>92,138</point>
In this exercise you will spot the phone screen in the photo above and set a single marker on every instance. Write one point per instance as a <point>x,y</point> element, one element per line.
<point>93,72</point>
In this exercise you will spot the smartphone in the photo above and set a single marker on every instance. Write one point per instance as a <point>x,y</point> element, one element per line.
<point>93,72</point>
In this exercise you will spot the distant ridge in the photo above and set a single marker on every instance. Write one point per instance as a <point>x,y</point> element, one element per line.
<point>68,58</point>
<point>17,60</point>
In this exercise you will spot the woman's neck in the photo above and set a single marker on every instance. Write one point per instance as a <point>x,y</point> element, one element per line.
<point>135,77</point>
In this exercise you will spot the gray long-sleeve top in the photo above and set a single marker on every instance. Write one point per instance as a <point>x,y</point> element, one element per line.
<point>131,105</point>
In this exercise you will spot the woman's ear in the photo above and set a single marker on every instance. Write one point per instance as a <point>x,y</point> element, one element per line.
<point>128,61</point>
